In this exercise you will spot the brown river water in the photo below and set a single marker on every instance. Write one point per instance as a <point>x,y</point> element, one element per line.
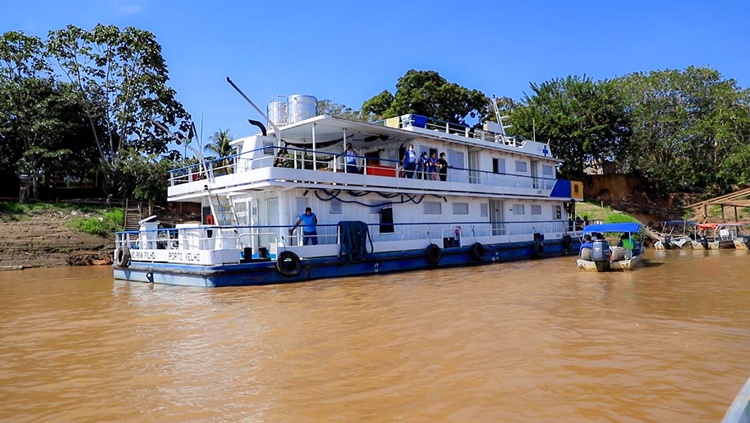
<point>526,341</point>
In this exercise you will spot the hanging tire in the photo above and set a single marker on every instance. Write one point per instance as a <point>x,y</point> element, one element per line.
<point>538,250</point>
<point>567,241</point>
<point>433,254</point>
<point>477,252</point>
<point>122,257</point>
<point>288,264</point>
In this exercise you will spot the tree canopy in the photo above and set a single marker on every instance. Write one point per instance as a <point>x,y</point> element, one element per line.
<point>104,104</point>
<point>427,93</point>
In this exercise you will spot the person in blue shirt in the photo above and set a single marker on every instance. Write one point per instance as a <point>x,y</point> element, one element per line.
<point>309,231</point>
<point>410,162</point>
<point>432,167</point>
<point>351,159</point>
<point>422,165</point>
<point>587,243</point>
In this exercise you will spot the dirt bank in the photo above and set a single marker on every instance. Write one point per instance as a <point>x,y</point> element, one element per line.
<point>42,239</point>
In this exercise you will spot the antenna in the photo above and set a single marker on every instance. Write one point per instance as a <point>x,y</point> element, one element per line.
<point>276,129</point>
<point>499,118</point>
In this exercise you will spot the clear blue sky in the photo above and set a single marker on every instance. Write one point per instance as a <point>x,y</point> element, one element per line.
<point>349,51</point>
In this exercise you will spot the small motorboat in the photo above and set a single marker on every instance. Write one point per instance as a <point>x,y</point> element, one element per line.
<point>598,254</point>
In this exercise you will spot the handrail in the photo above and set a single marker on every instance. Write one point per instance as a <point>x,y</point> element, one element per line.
<point>302,159</point>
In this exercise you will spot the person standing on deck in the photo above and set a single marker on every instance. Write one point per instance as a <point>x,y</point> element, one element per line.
<point>432,167</point>
<point>309,227</point>
<point>422,166</point>
<point>351,159</point>
<point>410,162</point>
<point>442,167</point>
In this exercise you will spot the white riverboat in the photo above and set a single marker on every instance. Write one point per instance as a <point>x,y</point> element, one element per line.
<point>499,200</point>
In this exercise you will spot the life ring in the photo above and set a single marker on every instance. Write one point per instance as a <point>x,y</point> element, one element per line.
<point>122,257</point>
<point>288,264</point>
<point>538,250</point>
<point>433,254</point>
<point>567,241</point>
<point>477,252</point>
<point>210,219</point>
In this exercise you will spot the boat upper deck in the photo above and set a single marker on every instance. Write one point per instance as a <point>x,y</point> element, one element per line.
<point>309,154</point>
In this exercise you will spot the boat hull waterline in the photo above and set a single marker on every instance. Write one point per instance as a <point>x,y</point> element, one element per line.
<point>267,272</point>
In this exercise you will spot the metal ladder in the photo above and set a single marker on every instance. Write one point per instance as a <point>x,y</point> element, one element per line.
<point>222,209</point>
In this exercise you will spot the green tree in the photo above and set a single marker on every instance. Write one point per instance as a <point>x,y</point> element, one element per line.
<point>121,80</point>
<point>327,107</point>
<point>585,122</point>
<point>220,146</point>
<point>42,127</point>
<point>427,93</point>
<point>690,128</point>
<point>147,175</point>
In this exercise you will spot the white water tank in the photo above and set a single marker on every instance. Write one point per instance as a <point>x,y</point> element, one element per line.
<point>301,107</point>
<point>277,111</point>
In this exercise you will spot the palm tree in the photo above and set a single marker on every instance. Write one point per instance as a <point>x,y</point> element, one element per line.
<point>220,146</point>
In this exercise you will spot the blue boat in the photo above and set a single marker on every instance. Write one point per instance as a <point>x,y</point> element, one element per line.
<point>613,246</point>
<point>491,198</point>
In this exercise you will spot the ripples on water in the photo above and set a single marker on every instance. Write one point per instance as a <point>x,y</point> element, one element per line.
<point>527,341</point>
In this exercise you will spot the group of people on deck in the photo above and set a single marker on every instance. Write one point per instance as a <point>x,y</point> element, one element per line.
<point>424,167</point>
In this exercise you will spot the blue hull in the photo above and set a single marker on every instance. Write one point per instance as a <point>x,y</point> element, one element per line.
<point>265,272</point>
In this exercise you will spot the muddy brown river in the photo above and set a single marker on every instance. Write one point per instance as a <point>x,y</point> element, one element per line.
<point>526,341</point>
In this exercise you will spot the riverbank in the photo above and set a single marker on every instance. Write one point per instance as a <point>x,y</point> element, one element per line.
<point>43,239</point>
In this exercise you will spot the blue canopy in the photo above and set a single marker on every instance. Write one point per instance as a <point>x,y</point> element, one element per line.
<point>632,227</point>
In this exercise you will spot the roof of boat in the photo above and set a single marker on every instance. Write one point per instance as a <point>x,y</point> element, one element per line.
<point>614,227</point>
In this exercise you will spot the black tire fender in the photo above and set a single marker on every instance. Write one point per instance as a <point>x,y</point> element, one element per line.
<point>477,252</point>
<point>122,257</point>
<point>288,264</point>
<point>433,254</point>
<point>538,250</point>
<point>567,241</point>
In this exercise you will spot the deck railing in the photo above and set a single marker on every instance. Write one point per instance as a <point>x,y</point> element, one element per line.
<point>273,237</point>
<point>305,159</point>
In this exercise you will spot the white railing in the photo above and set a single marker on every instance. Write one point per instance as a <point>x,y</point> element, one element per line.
<point>303,160</point>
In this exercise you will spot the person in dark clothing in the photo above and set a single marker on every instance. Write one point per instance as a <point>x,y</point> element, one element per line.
<point>442,167</point>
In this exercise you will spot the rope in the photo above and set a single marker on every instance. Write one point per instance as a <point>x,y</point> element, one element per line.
<point>354,236</point>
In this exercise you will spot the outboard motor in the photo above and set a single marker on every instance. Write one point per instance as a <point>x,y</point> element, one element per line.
<point>704,242</point>
<point>600,255</point>
<point>668,243</point>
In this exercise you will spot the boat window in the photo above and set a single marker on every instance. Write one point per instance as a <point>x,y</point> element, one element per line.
<point>484,210</point>
<point>335,207</point>
<point>547,170</point>
<point>557,210</point>
<point>498,165</point>
<point>433,207</point>
<point>536,209</point>
<point>522,166</point>
<point>460,208</point>
<point>519,209</point>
